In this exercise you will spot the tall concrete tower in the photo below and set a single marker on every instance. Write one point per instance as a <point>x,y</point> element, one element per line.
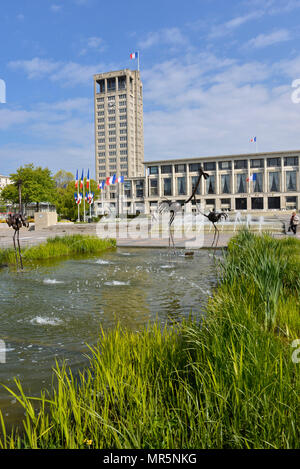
<point>119,136</point>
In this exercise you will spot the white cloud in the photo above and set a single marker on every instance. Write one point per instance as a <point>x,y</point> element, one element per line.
<point>68,73</point>
<point>264,40</point>
<point>55,8</point>
<point>169,36</point>
<point>198,113</point>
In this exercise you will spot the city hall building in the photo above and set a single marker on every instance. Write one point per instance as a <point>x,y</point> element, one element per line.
<point>246,182</point>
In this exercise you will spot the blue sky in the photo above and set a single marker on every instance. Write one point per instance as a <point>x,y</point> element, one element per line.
<point>215,73</point>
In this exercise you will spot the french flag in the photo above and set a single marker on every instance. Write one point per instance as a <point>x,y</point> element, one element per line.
<point>112,179</point>
<point>76,182</point>
<point>120,179</point>
<point>252,139</point>
<point>134,55</point>
<point>88,180</point>
<point>251,178</point>
<point>102,185</point>
<point>81,181</point>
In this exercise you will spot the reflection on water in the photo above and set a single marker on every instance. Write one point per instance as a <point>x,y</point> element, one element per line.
<point>52,311</point>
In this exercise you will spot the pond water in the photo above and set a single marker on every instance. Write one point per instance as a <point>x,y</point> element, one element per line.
<point>52,311</point>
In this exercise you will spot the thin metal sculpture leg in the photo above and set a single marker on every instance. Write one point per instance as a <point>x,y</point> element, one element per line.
<point>171,238</point>
<point>216,231</point>
<point>14,239</point>
<point>18,239</point>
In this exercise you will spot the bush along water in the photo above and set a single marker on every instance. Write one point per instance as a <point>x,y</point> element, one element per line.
<point>227,381</point>
<point>59,247</point>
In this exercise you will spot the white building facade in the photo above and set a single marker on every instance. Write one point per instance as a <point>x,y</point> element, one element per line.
<point>254,182</point>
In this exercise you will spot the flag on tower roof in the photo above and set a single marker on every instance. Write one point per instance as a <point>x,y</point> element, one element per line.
<point>134,55</point>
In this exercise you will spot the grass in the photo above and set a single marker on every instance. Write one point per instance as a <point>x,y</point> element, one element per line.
<point>225,382</point>
<point>58,247</point>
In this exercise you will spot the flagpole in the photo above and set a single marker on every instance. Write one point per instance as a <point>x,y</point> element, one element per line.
<point>83,202</point>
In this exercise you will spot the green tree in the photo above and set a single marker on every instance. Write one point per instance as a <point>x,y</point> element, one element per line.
<point>62,178</point>
<point>37,186</point>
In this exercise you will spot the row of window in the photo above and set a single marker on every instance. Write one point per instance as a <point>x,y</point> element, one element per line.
<point>241,184</point>
<point>225,165</point>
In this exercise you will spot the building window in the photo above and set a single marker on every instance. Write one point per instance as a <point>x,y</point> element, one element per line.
<point>181,186</point>
<point>100,120</point>
<point>101,153</point>
<point>210,185</point>
<point>273,162</point>
<point>124,158</point>
<point>123,139</point>
<point>140,188</point>
<point>102,168</point>
<point>241,183</point>
<point>240,164</point>
<point>167,186</point>
<point>291,161</point>
<point>111,126</point>
<point>123,145</point>
<point>153,169</point>
<point>211,166</point>
<point>100,100</point>
<point>274,182</point>
<point>123,152</point>
<point>241,203</point>
<point>101,127</point>
<point>111,84</point>
<point>112,160</point>
<point>111,98</point>
<point>123,166</point>
<point>257,185</point>
<point>112,132</point>
<point>122,96</point>
<point>101,113</point>
<point>112,153</point>
<point>274,203</point>
<point>101,147</point>
<point>127,188</point>
<point>225,184</point>
<point>259,163</point>
<point>101,134</point>
<point>291,203</point>
<point>257,203</point>
<point>111,111</point>
<point>291,181</point>
<point>122,83</point>
<point>123,109</point>
<point>123,131</point>
<point>225,165</point>
<point>166,169</point>
<point>111,119</point>
<point>194,167</point>
<point>123,124</point>
<point>194,182</point>
<point>112,139</point>
<point>180,168</point>
<point>153,187</point>
<point>123,118</point>
<point>101,140</point>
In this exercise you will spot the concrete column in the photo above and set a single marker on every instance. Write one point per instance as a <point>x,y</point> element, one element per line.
<point>188,182</point>
<point>173,185</point>
<point>265,177</point>
<point>159,182</point>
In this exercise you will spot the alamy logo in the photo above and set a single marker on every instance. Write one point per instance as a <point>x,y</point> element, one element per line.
<point>296,94</point>
<point>2,91</point>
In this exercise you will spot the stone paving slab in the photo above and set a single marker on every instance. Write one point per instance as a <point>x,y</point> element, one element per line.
<point>31,237</point>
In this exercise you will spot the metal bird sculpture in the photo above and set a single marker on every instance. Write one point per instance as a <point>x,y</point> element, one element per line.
<point>16,221</point>
<point>214,217</point>
<point>174,207</point>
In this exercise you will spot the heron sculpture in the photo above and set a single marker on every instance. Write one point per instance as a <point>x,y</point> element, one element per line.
<point>173,207</point>
<point>16,221</point>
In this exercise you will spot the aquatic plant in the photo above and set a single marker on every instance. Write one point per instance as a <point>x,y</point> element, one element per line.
<point>59,246</point>
<point>228,381</point>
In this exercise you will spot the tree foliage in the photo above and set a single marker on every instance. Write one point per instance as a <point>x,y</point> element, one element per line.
<point>37,186</point>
